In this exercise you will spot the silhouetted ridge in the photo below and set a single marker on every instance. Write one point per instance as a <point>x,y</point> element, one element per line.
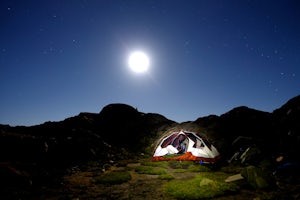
<point>245,121</point>
<point>118,111</point>
<point>287,127</point>
<point>123,125</point>
<point>293,105</point>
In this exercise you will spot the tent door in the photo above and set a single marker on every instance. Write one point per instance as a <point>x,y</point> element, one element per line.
<point>183,146</point>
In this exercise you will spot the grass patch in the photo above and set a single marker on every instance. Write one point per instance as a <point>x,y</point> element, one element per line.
<point>198,168</point>
<point>184,166</point>
<point>202,186</point>
<point>180,170</point>
<point>149,170</point>
<point>162,164</point>
<point>166,177</point>
<point>114,177</point>
<point>174,164</point>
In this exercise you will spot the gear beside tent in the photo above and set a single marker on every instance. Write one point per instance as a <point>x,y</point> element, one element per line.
<point>185,145</point>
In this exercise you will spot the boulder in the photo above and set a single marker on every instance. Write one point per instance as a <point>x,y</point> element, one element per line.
<point>255,177</point>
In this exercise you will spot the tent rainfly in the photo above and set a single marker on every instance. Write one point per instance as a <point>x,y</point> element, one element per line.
<point>185,145</point>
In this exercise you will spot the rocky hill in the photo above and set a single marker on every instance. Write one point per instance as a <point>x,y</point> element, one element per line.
<point>277,132</point>
<point>83,137</point>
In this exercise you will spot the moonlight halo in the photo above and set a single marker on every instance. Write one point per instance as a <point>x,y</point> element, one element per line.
<point>138,62</point>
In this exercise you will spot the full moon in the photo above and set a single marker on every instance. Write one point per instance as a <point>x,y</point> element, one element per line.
<point>138,62</point>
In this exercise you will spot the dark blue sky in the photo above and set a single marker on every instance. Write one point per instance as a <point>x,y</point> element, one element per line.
<point>60,58</point>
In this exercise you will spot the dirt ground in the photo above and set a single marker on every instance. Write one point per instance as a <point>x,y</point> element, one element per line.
<point>140,187</point>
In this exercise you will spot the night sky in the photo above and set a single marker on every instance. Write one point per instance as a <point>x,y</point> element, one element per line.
<point>60,58</point>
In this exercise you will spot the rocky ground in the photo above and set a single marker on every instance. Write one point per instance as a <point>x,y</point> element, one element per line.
<point>84,182</point>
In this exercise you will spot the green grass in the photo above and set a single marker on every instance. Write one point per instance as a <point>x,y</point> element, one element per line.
<point>198,168</point>
<point>166,177</point>
<point>184,166</point>
<point>162,164</point>
<point>174,164</point>
<point>202,186</point>
<point>180,170</point>
<point>149,170</point>
<point>114,177</point>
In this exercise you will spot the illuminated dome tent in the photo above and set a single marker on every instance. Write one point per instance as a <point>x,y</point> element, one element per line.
<point>184,145</point>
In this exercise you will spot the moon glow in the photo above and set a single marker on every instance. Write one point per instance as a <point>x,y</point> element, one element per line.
<point>138,62</point>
